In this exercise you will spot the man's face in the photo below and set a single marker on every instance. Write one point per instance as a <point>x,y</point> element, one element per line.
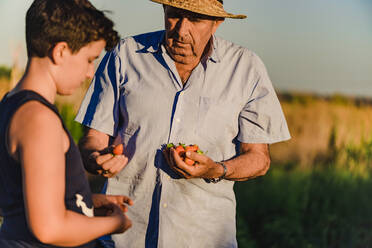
<point>187,34</point>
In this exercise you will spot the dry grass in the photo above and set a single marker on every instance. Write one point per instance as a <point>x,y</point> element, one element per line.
<point>311,126</point>
<point>4,86</point>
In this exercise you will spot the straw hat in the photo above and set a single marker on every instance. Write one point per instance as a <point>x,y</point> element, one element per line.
<point>204,7</point>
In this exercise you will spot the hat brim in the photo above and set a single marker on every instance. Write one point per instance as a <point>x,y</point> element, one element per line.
<point>221,13</point>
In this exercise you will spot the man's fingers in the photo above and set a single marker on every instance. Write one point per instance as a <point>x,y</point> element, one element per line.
<point>107,150</point>
<point>200,158</point>
<point>180,172</point>
<point>166,155</point>
<point>176,158</point>
<point>100,160</point>
<point>114,165</point>
<point>117,164</point>
<point>179,166</point>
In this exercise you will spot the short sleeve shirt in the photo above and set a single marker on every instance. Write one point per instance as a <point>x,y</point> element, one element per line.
<point>137,96</point>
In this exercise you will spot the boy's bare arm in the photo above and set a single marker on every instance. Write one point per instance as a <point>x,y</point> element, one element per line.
<point>38,140</point>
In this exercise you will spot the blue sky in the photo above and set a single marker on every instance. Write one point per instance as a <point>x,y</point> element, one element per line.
<point>322,46</point>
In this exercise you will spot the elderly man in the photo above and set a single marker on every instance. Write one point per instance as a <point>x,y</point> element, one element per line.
<point>181,85</point>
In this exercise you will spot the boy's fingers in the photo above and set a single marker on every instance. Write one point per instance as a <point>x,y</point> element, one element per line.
<point>120,199</point>
<point>123,199</point>
<point>127,200</point>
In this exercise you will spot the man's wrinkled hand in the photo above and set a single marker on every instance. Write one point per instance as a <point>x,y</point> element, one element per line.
<point>204,166</point>
<point>108,164</point>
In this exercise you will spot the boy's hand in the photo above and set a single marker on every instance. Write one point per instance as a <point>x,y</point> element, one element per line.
<point>124,223</point>
<point>102,203</point>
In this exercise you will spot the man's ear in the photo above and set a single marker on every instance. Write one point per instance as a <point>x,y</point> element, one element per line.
<point>59,52</point>
<point>217,23</point>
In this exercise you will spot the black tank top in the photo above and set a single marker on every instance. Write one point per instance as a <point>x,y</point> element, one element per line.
<point>77,192</point>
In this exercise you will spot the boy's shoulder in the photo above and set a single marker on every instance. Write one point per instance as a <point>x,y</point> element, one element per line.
<point>33,124</point>
<point>34,115</point>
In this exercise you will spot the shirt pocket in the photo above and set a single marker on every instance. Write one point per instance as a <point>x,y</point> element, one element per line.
<point>217,124</point>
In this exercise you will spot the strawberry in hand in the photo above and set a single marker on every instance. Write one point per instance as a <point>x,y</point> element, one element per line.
<point>118,149</point>
<point>181,150</point>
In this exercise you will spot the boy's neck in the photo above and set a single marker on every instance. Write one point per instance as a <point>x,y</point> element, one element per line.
<point>38,78</point>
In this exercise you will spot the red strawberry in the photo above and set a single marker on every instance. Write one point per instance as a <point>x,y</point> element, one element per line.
<point>180,150</point>
<point>118,150</point>
<point>192,148</point>
<point>189,161</point>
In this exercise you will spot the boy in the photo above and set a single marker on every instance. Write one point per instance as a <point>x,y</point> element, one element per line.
<point>44,195</point>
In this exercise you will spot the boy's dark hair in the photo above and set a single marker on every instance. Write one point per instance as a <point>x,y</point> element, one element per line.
<point>76,22</point>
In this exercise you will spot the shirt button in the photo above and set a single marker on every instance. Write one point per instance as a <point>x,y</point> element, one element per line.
<point>178,120</point>
<point>165,205</point>
<point>168,177</point>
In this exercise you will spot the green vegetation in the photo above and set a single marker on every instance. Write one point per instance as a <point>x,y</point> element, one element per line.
<point>68,114</point>
<point>5,72</point>
<point>318,208</point>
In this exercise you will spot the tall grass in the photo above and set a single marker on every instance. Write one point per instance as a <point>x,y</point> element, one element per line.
<point>312,122</point>
<point>299,208</point>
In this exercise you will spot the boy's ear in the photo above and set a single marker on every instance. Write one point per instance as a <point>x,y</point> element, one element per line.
<point>59,52</point>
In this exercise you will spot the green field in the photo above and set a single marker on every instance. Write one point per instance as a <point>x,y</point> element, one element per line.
<point>296,208</point>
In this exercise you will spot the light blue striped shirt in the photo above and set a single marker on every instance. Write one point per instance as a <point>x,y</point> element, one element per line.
<point>138,97</point>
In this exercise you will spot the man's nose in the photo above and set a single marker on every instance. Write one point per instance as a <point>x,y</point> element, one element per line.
<point>183,26</point>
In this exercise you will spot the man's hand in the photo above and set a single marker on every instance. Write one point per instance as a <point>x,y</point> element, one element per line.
<point>98,156</point>
<point>253,161</point>
<point>107,164</point>
<point>204,166</point>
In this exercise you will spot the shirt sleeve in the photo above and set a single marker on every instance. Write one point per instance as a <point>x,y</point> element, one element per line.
<point>100,107</point>
<point>262,119</point>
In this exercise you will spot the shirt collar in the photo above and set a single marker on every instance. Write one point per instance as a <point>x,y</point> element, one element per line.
<point>214,56</point>
<point>157,44</point>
